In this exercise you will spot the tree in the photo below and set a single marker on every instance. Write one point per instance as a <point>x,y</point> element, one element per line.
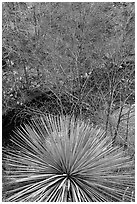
<point>59,44</point>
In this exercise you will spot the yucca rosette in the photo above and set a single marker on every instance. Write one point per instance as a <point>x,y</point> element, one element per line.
<point>58,159</point>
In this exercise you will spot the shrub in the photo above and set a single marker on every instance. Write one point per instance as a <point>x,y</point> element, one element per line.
<point>58,159</point>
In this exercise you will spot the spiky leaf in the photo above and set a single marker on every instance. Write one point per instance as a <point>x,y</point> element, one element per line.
<point>60,159</point>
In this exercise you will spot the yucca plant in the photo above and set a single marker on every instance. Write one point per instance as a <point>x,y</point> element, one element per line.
<point>60,159</point>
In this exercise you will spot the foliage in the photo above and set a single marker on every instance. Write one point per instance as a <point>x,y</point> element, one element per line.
<point>54,43</point>
<point>64,159</point>
<point>70,58</point>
